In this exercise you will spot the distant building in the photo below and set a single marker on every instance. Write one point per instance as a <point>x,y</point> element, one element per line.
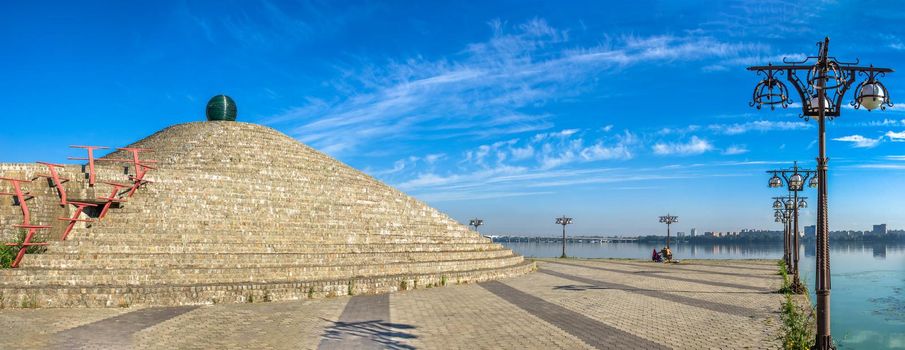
<point>810,231</point>
<point>680,234</point>
<point>708,234</point>
<point>879,230</point>
<point>694,232</point>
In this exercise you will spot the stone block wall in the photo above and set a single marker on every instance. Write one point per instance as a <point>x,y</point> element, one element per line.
<point>238,209</point>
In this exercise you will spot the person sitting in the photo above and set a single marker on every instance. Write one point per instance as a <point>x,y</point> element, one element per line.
<point>656,256</point>
<point>667,254</point>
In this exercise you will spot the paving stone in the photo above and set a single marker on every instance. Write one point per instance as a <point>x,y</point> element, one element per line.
<point>592,332</point>
<point>571,304</point>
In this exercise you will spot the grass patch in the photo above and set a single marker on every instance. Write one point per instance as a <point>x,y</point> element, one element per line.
<point>8,253</point>
<point>798,322</point>
<point>28,302</point>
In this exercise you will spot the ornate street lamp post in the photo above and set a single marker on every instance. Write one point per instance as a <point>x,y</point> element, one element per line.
<point>780,215</point>
<point>826,80</point>
<point>476,223</point>
<point>668,220</point>
<point>795,178</point>
<point>563,221</point>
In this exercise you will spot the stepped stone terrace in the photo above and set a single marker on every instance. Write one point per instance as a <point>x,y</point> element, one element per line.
<point>227,212</point>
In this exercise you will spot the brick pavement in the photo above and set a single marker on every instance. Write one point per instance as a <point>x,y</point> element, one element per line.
<point>365,324</point>
<point>592,332</point>
<point>670,277</point>
<point>571,304</point>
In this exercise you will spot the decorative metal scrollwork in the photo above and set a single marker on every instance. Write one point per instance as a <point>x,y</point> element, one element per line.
<point>820,75</point>
<point>871,93</point>
<point>770,91</point>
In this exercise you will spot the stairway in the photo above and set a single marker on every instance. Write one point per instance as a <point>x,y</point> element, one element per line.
<point>239,212</point>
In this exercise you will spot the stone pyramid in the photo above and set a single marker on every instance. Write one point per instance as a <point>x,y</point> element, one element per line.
<point>238,212</point>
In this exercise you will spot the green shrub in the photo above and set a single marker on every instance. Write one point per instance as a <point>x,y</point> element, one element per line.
<point>8,253</point>
<point>798,322</point>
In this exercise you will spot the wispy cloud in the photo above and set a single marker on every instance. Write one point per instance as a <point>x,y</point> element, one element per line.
<point>695,145</point>
<point>896,136</point>
<point>759,125</point>
<point>859,141</point>
<point>734,150</point>
<point>488,89</point>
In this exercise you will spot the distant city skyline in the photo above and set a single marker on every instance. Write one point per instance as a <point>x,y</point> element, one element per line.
<point>803,230</point>
<point>515,112</point>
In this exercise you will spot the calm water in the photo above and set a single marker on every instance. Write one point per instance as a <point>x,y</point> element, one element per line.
<point>868,295</point>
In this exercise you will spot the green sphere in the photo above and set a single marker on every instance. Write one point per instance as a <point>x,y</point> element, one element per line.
<point>221,107</point>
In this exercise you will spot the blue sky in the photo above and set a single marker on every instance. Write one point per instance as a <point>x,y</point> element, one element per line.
<point>514,111</point>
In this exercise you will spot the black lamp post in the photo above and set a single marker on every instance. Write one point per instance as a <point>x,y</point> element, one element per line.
<point>563,221</point>
<point>476,223</point>
<point>826,80</point>
<point>795,178</point>
<point>780,215</point>
<point>668,220</point>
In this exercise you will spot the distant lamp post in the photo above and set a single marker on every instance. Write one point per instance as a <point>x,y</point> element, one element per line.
<point>668,220</point>
<point>563,221</point>
<point>794,180</point>
<point>476,223</point>
<point>824,84</point>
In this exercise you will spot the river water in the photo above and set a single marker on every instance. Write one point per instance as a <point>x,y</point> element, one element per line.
<point>868,280</point>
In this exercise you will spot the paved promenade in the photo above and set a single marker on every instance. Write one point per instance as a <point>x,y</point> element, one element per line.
<point>567,304</point>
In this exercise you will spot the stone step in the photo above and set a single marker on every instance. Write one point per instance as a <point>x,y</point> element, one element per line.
<point>177,248</point>
<point>26,276</point>
<point>214,293</point>
<point>159,239</point>
<point>232,260</point>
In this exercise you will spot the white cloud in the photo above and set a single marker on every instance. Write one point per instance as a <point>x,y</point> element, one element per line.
<point>733,150</point>
<point>554,154</point>
<point>679,131</point>
<point>885,122</point>
<point>433,158</point>
<point>519,153</point>
<point>859,141</point>
<point>896,136</point>
<point>882,166</point>
<point>481,91</point>
<point>759,125</point>
<point>695,145</point>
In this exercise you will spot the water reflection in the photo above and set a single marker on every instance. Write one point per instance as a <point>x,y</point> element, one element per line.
<point>880,251</point>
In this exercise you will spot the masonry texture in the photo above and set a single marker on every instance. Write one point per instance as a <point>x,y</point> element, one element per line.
<point>237,212</point>
<point>570,304</point>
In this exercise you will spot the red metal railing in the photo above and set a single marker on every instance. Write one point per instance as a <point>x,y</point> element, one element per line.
<point>141,166</point>
<point>57,180</point>
<point>23,247</point>
<point>22,198</point>
<point>80,207</point>
<point>138,179</point>
<point>113,198</point>
<point>91,160</point>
